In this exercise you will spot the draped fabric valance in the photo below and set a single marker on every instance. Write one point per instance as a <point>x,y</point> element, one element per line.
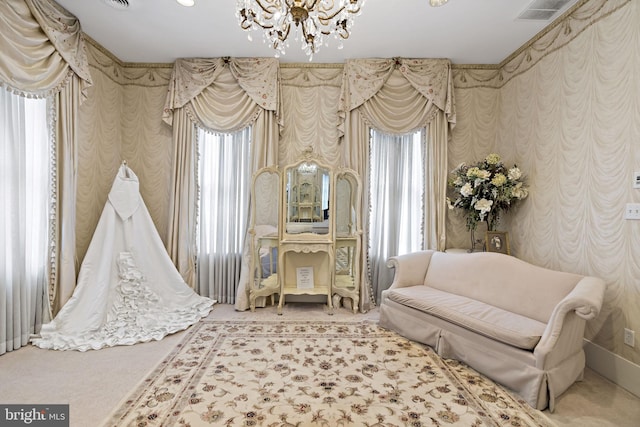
<point>42,45</point>
<point>223,106</point>
<point>365,79</point>
<point>258,78</point>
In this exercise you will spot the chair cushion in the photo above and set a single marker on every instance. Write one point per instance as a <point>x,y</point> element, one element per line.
<point>485,319</point>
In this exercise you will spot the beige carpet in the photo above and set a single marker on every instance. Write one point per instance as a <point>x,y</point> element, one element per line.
<point>95,383</point>
<point>296,373</point>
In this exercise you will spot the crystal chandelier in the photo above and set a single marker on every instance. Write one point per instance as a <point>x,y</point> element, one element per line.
<point>314,21</point>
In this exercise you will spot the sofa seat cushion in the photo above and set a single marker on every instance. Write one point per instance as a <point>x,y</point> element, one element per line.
<point>485,319</point>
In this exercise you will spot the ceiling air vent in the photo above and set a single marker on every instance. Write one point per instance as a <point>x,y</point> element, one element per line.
<point>543,10</point>
<point>117,4</point>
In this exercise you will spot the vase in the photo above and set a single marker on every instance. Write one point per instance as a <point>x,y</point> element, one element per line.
<point>479,229</point>
<point>473,240</point>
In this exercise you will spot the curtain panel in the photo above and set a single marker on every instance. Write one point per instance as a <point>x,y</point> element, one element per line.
<point>399,96</point>
<point>221,95</point>
<point>43,54</point>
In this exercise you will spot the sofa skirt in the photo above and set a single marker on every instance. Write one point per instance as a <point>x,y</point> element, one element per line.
<point>511,367</point>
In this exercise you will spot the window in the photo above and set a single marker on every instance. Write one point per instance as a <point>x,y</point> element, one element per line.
<point>24,217</point>
<point>224,176</point>
<point>396,188</point>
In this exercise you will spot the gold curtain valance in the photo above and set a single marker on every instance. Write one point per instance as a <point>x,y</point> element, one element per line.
<point>364,79</point>
<point>42,45</point>
<point>258,77</point>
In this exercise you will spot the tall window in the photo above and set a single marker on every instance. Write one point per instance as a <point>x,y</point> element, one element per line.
<point>24,217</point>
<point>224,175</point>
<point>396,196</point>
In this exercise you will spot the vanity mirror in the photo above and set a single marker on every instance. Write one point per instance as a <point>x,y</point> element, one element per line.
<point>307,190</point>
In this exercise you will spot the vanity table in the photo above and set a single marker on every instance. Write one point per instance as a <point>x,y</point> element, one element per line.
<point>318,238</point>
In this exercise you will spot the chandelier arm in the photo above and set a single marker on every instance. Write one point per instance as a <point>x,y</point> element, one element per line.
<point>311,6</point>
<point>342,36</point>
<point>246,25</point>
<point>269,8</point>
<point>330,17</point>
<point>282,35</point>
<point>304,34</point>
<point>261,25</point>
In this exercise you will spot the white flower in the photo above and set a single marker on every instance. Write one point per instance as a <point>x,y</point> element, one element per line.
<point>519,192</point>
<point>483,174</point>
<point>514,173</point>
<point>478,174</point>
<point>484,206</point>
<point>466,190</point>
<point>449,204</point>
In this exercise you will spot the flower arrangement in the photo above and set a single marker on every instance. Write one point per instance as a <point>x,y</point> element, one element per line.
<point>486,189</point>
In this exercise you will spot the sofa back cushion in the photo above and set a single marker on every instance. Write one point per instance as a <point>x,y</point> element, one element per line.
<point>502,281</point>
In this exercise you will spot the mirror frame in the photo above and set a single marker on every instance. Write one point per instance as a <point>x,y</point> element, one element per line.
<point>285,234</point>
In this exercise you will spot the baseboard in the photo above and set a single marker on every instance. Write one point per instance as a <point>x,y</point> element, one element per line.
<point>613,367</point>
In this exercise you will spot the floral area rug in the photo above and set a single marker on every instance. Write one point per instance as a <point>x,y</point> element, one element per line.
<point>292,373</point>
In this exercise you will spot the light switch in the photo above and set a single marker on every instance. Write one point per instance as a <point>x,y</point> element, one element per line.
<point>636,180</point>
<point>632,211</point>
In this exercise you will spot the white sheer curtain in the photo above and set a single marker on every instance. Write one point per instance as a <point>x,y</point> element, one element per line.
<point>24,217</point>
<point>396,194</point>
<point>224,178</point>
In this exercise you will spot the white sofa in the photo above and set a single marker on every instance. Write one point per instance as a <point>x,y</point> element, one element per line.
<point>519,324</point>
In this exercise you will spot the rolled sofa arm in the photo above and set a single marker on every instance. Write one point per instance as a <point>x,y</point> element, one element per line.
<point>585,300</point>
<point>410,269</point>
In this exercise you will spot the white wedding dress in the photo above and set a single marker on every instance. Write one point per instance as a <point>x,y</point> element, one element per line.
<point>128,289</point>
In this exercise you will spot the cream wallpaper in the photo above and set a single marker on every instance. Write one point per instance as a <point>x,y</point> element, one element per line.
<point>571,122</point>
<point>122,120</point>
<point>98,152</point>
<point>565,108</point>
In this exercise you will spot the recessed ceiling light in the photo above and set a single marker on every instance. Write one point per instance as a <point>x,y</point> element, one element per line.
<point>187,3</point>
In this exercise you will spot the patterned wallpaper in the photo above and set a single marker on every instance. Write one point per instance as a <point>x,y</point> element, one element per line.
<point>121,120</point>
<point>565,108</point>
<point>571,121</point>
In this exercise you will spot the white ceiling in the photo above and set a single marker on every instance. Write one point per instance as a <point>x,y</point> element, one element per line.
<point>465,31</point>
